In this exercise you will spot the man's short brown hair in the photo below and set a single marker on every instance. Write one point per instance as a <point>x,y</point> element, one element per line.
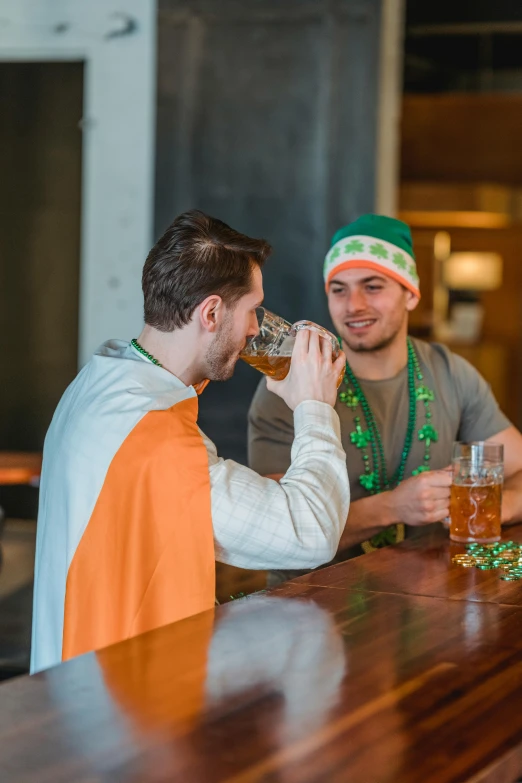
<point>196,257</point>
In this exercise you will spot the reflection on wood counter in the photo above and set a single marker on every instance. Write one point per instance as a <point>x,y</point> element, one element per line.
<point>397,666</point>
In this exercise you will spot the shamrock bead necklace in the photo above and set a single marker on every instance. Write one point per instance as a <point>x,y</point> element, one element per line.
<point>375,478</point>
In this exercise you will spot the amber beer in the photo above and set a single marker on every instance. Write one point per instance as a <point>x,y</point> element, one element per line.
<point>270,351</point>
<point>475,512</point>
<point>276,367</point>
<point>476,492</point>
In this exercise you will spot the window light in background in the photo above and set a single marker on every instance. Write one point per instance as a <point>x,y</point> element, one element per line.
<point>473,271</point>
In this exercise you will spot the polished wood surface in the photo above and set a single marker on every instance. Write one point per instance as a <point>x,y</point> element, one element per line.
<point>394,667</point>
<point>420,566</point>
<point>234,582</point>
<point>19,467</point>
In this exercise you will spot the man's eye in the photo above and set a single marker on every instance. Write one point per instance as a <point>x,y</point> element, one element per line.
<point>374,287</point>
<point>337,290</point>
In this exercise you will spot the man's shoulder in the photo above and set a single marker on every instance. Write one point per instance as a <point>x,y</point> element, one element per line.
<point>441,360</point>
<point>108,393</point>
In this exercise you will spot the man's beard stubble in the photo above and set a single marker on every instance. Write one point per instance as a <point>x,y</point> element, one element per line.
<point>222,355</point>
<point>379,346</point>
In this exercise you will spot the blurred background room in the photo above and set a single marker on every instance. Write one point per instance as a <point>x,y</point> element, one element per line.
<point>284,119</point>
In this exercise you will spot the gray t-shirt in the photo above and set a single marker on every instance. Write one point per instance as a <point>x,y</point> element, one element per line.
<point>464,409</point>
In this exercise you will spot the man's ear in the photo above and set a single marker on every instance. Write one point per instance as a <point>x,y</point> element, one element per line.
<point>211,313</point>
<point>411,301</point>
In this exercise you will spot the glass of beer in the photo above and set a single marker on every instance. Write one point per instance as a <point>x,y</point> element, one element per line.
<point>476,492</point>
<point>271,351</point>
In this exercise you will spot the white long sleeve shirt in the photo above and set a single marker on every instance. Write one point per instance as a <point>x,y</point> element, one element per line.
<point>297,523</point>
<point>112,506</point>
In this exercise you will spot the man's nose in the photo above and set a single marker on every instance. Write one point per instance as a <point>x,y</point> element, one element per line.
<point>356,301</point>
<point>254,326</point>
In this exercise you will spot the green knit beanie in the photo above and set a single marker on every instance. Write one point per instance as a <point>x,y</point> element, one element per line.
<point>374,242</point>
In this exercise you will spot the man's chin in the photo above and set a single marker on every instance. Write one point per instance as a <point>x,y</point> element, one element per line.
<point>362,343</point>
<point>362,346</point>
<point>367,345</point>
<point>223,373</point>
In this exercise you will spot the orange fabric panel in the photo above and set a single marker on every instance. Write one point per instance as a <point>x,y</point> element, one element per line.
<point>146,557</point>
<point>200,387</point>
<point>158,679</point>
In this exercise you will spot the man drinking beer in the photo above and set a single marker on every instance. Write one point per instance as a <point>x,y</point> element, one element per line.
<point>135,504</point>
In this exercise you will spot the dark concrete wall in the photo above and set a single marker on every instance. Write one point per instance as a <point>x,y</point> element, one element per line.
<point>40,173</point>
<point>267,119</point>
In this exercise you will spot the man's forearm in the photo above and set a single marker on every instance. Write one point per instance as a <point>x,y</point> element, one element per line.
<point>366,518</point>
<point>512,499</point>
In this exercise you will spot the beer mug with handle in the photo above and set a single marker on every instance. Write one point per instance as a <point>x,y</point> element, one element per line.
<point>270,351</point>
<point>476,492</point>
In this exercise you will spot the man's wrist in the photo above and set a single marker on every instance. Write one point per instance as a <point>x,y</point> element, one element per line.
<point>317,413</point>
<point>389,510</point>
<point>367,517</point>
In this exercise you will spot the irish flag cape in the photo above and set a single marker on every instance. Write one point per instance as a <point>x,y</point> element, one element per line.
<point>124,538</point>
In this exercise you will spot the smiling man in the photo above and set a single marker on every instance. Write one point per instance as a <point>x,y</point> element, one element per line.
<point>402,404</point>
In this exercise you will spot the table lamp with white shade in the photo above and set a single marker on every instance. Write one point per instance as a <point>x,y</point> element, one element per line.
<point>465,275</point>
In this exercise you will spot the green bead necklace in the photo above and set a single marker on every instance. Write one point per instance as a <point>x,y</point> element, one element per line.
<point>141,349</point>
<point>375,478</point>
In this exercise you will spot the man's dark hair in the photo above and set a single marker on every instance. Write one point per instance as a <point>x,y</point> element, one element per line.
<point>197,256</point>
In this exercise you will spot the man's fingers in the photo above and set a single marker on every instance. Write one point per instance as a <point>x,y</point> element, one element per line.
<point>434,511</point>
<point>440,493</point>
<point>309,341</point>
<point>340,363</point>
<point>302,340</point>
<point>314,345</point>
<point>326,349</point>
<point>437,478</point>
<point>440,506</point>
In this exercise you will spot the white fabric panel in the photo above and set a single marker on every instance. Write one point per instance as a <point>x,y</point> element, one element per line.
<point>95,415</point>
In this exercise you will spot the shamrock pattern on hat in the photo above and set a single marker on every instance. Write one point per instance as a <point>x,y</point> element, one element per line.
<point>355,246</point>
<point>378,250</point>
<point>373,250</point>
<point>413,273</point>
<point>399,260</point>
<point>334,253</point>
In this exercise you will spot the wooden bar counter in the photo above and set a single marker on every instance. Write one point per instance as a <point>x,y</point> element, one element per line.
<point>395,667</point>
